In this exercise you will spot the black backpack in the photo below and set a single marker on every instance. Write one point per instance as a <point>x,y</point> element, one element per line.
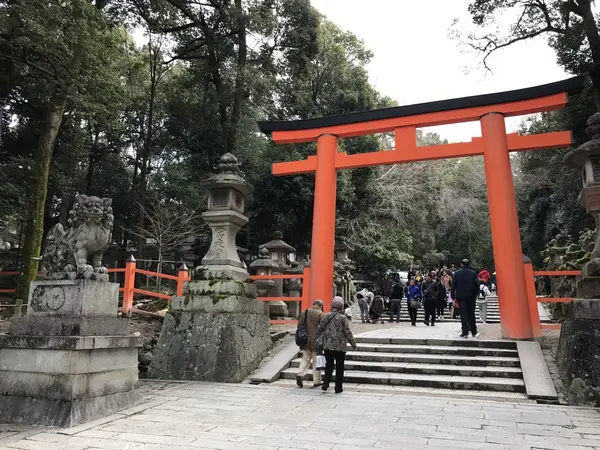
<point>302,332</point>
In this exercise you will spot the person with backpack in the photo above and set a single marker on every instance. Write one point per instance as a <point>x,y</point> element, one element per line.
<point>396,301</point>
<point>482,301</point>
<point>308,323</point>
<point>334,335</point>
<point>430,291</point>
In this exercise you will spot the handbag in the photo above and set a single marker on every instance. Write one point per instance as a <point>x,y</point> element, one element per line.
<point>320,342</point>
<point>320,364</point>
<point>415,303</point>
<point>302,332</point>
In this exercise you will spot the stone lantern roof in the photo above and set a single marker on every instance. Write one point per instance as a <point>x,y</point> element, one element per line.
<point>576,158</point>
<point>228,176</point>
<point>264,262</point>
<point>278,244</point>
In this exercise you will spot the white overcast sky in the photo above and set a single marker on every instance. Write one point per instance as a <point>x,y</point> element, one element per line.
<point>415,61</point>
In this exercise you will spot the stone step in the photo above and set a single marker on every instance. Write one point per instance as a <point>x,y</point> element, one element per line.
<point>509,345</point>
<point>459,360</point>
<point>432,381</point>
<point>436,349</point>
<point>496,396</point>
<point>430,369</point>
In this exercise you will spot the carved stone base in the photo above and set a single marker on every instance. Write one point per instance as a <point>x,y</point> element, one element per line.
<point>277,310</point>
<point>216,332</point>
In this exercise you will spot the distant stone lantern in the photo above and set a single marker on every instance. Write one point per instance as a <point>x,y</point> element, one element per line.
<point>279,252</point>
<point>225,217</point>
<point>264,266</point>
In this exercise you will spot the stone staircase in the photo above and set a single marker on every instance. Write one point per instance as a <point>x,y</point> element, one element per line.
<point>493,312</point>
<point>488,367</point>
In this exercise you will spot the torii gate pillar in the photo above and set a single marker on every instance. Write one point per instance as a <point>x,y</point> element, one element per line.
<point>324,210</point>
<point>504,224</point>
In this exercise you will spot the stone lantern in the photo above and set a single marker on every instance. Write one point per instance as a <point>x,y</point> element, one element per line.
<point>264,266</point>
<point>580,332</point>
<point>225,217</point>
<point>278,252</point>
<point>294,287</point>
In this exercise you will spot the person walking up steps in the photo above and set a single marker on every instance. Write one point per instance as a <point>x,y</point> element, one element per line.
<point>430,290</point>
<point>336,332</point>
<point>413,300</point>
<point>396,301</point>
<point>465,288</point>
<point>309,351</point>
<point>482,302</point>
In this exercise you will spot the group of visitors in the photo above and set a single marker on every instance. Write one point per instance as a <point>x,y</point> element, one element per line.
<point>327,333</point>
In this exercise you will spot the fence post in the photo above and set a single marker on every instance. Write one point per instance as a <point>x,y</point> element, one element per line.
<point>305,284</point>
<point>182,276</point>
<point>534,314</point>
<point>128,285</point>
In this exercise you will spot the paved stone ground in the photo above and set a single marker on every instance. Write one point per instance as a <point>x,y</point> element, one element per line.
<point>186,416</point>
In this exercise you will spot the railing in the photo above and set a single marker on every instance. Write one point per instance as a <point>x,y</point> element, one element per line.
<point>128,290</point>
<point>305,277</point>
<point>533,299</point>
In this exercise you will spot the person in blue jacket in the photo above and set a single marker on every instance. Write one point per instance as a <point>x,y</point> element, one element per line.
<point>413,294</point>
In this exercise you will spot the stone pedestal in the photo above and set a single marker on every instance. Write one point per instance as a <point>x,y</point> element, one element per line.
<point>217,331</point>
<point>70,360</point>
<point>578,350</point>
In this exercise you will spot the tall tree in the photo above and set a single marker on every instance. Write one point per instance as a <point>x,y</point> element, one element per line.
<point>61,54</point>
<point>570,25</point>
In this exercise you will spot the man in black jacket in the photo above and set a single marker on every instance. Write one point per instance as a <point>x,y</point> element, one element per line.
<point>430,289</point>
<point>465,286</point>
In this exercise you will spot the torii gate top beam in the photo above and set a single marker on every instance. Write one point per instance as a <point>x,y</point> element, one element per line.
<point>518,102</point>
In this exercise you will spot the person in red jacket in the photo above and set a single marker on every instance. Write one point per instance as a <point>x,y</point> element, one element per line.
<point>485,276</point>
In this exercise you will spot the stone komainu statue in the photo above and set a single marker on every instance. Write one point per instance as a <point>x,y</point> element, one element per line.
<point>79,248</point>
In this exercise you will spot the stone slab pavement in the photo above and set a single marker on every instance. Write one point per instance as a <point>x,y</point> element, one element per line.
<point>190,415</point>
<point>441,330</point>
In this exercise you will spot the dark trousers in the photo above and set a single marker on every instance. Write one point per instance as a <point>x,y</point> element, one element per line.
<point>441,308</point>
<point>339,358</point>
<point>395,306</point>
<point>467,315</point>
<point>413,314</point>
<point>430,313</point>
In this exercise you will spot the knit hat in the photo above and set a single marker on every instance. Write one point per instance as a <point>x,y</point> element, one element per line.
<point>337,303</point>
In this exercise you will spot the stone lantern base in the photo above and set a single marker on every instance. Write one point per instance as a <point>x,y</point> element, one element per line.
<point>217,331</point>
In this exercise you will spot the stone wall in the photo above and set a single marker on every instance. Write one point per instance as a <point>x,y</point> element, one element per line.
<point>218,331</point>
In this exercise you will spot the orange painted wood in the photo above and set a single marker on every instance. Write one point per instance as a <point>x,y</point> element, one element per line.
<point>554,299</point>
<point>156,274</point>
<point>551,326</point>
<point>152,294</point>
<point>553,273</point>
<point>475,147</point>
<point>182,277</point>
<point>323,232</point>
<point>305,299</point>
<point>519,108</point>
<point>283,322</point>
<point>7,291</point>
<point>9,273</point>
<point>405,138</point>
<point>121,289</point>
<point>279,299</point>
<point>128,287</point>
<point>508,255</point>
<point>116,270</point>
<point>275,277</point>
<point>534,314</point>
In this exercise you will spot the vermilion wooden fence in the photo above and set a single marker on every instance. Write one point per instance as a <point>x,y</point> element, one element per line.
<point>128,290</point>
<point>305,277</point>
<point>533,299</point>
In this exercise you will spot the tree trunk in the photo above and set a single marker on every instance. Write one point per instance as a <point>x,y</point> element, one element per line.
<point>593,37</point>
<point>34,227</point>
<point>159,270</point>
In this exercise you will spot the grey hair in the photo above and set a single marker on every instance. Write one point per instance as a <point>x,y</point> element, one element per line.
<point>319,303</point>
<point>337,303</point>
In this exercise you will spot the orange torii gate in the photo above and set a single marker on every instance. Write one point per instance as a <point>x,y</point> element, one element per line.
<point>494,145</point>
